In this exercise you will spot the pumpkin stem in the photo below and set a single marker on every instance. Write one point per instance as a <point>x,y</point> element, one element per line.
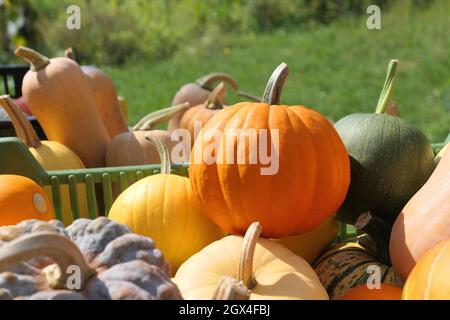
<point>68,53</point>
<point>155,118</point>
<point>248,96</point>
<point>231,289</point>
<point>206,81</point>
<point>37,61</point>
<point>215,99</point>
<point>388,88</point>
<point>275,85</point>
<point>55,246</point>
<point>22,126</point>
<point>245,272</point>
<point>379,231</point>
<point>162,151</point>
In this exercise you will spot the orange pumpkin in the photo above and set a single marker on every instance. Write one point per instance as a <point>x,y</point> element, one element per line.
<point>302,184</point>
<point>430,278</point>
<point>385,292</point>
<point>203,112</point>
<point>20,199</point>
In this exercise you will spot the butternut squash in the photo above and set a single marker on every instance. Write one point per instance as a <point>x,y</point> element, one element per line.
<point>60,97</point>
<point>105,96</point>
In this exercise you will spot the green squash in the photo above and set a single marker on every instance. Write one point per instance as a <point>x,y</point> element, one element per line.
<point>390,160</point>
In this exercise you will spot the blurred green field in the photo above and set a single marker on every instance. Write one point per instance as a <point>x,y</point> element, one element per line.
<point>336,69</point>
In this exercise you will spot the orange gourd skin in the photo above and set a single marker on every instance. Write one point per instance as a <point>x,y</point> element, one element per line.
<point>430,278</point>
<point>385,292</point>
<point>424,221</point>
<point>60,98</point>
<point>106,100</point>
<point>20,199</point>
<point>310,185</point>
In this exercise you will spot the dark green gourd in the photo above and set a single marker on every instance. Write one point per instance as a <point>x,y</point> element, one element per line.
<point>390,160</point>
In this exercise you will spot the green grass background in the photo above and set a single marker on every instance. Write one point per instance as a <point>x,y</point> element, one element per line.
<point>336,69</point>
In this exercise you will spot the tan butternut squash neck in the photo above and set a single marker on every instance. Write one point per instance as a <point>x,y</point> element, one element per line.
<point>37,61</point>
<point>231,289</point>
<point>245,271</point>
<point>274,87</point>
<point>23,127</point>
<point>60,249</point>
<point>215,99</point>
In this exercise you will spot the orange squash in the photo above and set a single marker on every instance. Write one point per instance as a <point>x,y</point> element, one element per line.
<point>105,96</point>
<point>385,292</point>
<point>302,184</point>
<point>430,278</point>
<point>424,221</point>
<point>203,112</point>
<point>21,199</point>
<point>51,155</point>
<point>60,97</point>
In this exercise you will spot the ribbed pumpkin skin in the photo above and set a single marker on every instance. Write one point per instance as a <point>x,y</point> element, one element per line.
<point>279,274</point>
<point>344,266</point>
<point>164,208</point>
<point>310,245</point>
<point>61,99</point>
<point>424,221</point>
<point>53,155</point>
<point>430,278</point>
<point>198,113</point>
<point>309,186</point>
<point>21,199</point>
<point>390,161</point>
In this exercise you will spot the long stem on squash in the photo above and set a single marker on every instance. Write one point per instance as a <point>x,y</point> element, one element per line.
<point>162,151</point>
<point>388,88</point>
<point>37,61</point>
<point>245,271</point>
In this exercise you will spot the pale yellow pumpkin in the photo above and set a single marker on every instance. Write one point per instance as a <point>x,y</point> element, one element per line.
<point>164,208</point>
<point>51,155</point>
<point>312,244</point>
<point>268,269</point>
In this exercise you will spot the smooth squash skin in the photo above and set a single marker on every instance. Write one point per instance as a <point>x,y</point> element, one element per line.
<point>310,245</point>
<point>385,292</point>
<point>51,155</point>
<point>390,160</point>
<point>268,269</point>
<point>20,199</point>
<point>59,95</point>
<point>424,221</point>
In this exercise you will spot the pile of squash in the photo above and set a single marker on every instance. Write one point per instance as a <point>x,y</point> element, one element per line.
<point>232,229</point>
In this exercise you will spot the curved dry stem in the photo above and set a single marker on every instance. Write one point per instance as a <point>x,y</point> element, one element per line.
<point>22,126</point>
<point>248,96</point>
<point>155,118</point>
<point>231,289</point>
<point>274,87</point>
<point>162,151</point>
<point>245,272</point>
<point>60,249</point>
<point>206,81</point>
<point>214,100</point>
<point>37,61</point>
